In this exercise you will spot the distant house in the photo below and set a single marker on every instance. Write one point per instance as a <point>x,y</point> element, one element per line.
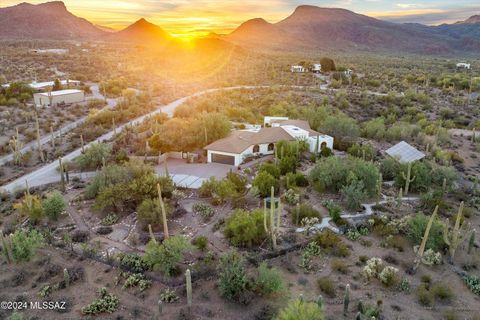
<point>54,98</point>
<point>405,153</point>
<point>268,121</point>
<point>241,144</point>
<point>317,68</point>
<point>463,65</point>
<point>298,69</point>
<point>47,84</point>
<point>348,72</point>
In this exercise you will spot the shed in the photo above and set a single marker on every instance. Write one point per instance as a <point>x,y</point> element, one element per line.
<point>405,153</point>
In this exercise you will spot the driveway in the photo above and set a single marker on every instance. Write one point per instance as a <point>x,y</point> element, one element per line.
<point>192,175</point>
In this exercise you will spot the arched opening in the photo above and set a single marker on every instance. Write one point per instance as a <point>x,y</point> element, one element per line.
<point>323,145</point>
<point>256,148</point>
<point>270,147</point>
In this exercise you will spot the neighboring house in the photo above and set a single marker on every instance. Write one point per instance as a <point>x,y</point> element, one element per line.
<point>268,121</point>
<point>405,153</point>
<point>241,144</point>
<point>317,68</point>
<point>49,84</point>
<point>54,98</point>
<point>298,69</point>
<point>463,65</point>
<point>348,72</point>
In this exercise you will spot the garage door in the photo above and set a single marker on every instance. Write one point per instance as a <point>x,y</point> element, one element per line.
<point>221,158</point>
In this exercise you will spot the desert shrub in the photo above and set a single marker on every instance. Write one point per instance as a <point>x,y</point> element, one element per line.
<point>106,302</point>
<point>327,286</point>
<point>201,242</point>
<point>417,225</point>
<point>54,205</point>
<point>232,278</point>
<point>245,228</point>
<point>299,309</point>
<point>264,183</point>
<point>473,283</point>
<point>166,256</point>
<point>271,169</point>
<point>296,179</point>
<point>132,262</point>
<point>333,174</point>
<point>389,276</point>
<point>269,280</point>
<point>168,296</point>
<point>94,156</point>
<point>334,211</point>
<point>424,296</point>
<point>304,211</point>
<point>109,220</point>
<point>149,212</point>
<point>311,250</point>
<point>352,234</point>
<point>239,181</point>
<point>136,280</point>
<point>24,244</point>
<point>354,194</point>
<point>374,129</point>
<point>390,168</point>
<point>442,292</point>
<point>363,151</point>
<point>30,206</point>
<point>204,210</point>
<point>291,197</point>
<point>332,243</point>
<point>218,190</point>
<point>339,266</point>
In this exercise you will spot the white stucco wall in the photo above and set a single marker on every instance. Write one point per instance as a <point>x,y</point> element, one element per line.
<point>43,99</point>
<point>312,142</point>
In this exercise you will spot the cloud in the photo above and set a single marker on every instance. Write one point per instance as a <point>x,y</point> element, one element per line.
<point>407,5</point>
<point>428,16</point>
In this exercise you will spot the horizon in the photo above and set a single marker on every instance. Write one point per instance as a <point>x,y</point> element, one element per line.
<point>188,19</point>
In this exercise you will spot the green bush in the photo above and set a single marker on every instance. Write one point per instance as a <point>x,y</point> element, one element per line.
<point>299,309</point>
<point>264,183</point>
<point>416,229</point>
<point>149,212</point>
<point>132,262</point>
<point>233,280</point>
<point>269,280</point>
<point>390,168</point>
<point>31,206</point>
<point>201,242</point>
<point>166,256</point>
<point>363,151</point>
<point>271,169</point>
<point>473,283</point>
<point>244,228</point>
<point>218,190</point>
<point>354,194</point>
<point>424,296</point>
<point>204,210</point>
<point>239,181</point>
<point>94,156</point>
<point>25,244</point>
<point>54,205</point>
<point>332,243</point>
<point>302,211</point>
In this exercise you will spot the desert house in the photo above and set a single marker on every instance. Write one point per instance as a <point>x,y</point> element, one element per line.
<point>463,65</point>
<point>317,68</point>
<point>241,144</point>
<point>298,69</point>
<point>48,84</point>
<point>54,98</point>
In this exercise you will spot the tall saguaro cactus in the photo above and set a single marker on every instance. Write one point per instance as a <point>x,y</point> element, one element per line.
<point>39,143</point>
<point>164,213</point>
<point>421,249</point>
<point>62,173</point>
<point>273,225</point>
<point>346,300</point>
<point>15,147</point>
<point>6,247</point>
<point>408,178</point>
<point>188,279</point>
<point>379,189</point>
<point>457,235</point>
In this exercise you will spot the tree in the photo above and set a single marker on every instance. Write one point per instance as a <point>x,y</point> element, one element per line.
<point>232,278</point>
<point>264,182</point>
<point>354,194</point>
<point>299,309</point>
<point>25,244</point>
<point>166,256</point>
<point>245,228</point>
<point>56,85</point>
<point>94,156</point>
<point>149,213</point>
<point>327,64</point>
<point>54,205</point>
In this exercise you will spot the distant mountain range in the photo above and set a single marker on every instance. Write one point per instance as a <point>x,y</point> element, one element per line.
<point>307,28</point>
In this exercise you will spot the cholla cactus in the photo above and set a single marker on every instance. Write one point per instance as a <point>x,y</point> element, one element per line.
<point>388,275</point>
<point>431,257</point>
<point>309,223</point>
<point>373,268</point>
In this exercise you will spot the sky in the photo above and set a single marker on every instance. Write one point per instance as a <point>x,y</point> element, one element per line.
<point>199,17</point>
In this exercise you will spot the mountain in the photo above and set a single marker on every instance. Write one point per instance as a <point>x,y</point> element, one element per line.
<point>142,32</point>
<point>472,20</point>
<point>49,20</point>
<point>329,28</point>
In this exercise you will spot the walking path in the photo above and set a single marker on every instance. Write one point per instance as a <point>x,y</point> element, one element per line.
<point>368,212</point>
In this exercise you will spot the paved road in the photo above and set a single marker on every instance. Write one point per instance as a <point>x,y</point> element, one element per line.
<point>111,103</point>
<point>48,173</point>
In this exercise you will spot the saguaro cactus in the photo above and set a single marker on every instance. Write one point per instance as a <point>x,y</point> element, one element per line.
<point>421,249</point>
<point>62,174</point>
<point>52,137</point>
<point>379,189</point>
<point>188,278</point>
<point>272,228</point>
<point>400,197</point>
<point>471,242</point>
<point>82,143</point>
<point>346,300</point>
<point>407,178</point>
<point>66,277</point>
<point>456,236</point>
<point>39,143</point>
<point>6,247</point>
<point>164,213</point>
<point>15,147</point>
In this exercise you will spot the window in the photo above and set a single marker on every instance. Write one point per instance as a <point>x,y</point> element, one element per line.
<point>271,146</point>
<point>256,148</point>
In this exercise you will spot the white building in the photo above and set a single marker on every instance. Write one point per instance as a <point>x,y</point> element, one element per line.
<point>234,149</point>
<point>298,69</point>
<point>46,84</point>
<point>268,121</point>
<point>463,65</point>
<point>54,98</point>
<point>348,72</point>
<point>317,68</point>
